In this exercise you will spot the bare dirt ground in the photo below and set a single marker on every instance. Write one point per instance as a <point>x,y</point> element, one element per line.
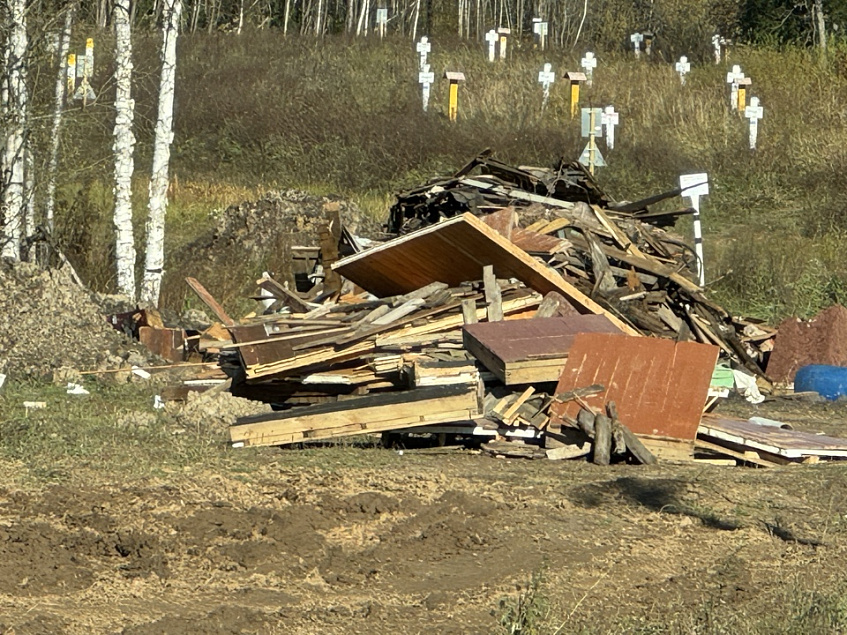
<point>366,540</point>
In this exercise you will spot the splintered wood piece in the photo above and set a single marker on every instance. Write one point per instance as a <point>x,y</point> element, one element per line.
<point>410,306</point>
<point>469,311</point>
<point>554,225</point>
<point>424,292</point>
<point>330,235</point>
<point>209,301</point>
<point>287,297</point>
<point>585,420</point>
<point>602,447</point>
<point>550,305</point>
<point>636,448</point>
<point>511,413</point>
<point>493,299</point>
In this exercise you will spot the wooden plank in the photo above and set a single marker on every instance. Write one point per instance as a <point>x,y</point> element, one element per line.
<point>288,297</point>
<point>493,298</point>
<point>455,251</point>
<point>511,413</point>
<point>742,456</point>
<point>374,413</point>
<point>469,311</point>
<point>410,306</point>
<point>209,301</point>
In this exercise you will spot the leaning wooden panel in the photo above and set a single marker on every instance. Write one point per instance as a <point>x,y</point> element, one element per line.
<point>374,413</point>
<point>659,386</point>
<point>453,252</point>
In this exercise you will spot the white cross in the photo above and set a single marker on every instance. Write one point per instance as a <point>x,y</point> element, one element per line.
<point>539,27</point>
<point>381,21</point>
<point>546,78</point>
<point>491,38</point>
<point>754,112</point>
<point>589,63</point>
<point>636,39</point>
<point>683,67</point>
<point>717,40</point>
<point>423,47</point>
<point>426,78</point>
<point>732,78</point>
<point>610,119</point>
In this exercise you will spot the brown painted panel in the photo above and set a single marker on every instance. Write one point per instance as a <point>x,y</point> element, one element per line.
<point>659,386</point>
<point>165,342</point>
<point>791,443</point>
<point>519,340</point>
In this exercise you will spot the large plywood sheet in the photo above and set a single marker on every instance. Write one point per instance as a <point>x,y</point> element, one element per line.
<point>659,386</point>
<point>456,251</point>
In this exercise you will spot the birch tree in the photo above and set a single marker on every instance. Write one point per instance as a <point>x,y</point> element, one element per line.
<point>158,199</point>
<point>123,147</point>
<point>58,109</point>
<point>16,101</point>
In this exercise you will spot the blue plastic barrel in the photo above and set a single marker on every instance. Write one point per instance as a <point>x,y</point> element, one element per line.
<point>828,381</point>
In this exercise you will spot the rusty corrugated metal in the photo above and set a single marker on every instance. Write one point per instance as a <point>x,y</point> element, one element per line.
<point>659,386</point>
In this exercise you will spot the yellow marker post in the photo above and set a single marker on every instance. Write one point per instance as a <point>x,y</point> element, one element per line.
<point>453,105</point>
<point>743,83</point>
<point>504,33</point>
<point>574,79</point>
<point>71,75</point>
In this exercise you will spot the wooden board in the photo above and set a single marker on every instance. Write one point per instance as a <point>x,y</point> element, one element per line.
<point>374,413</point>
<point>791,444</point>
<point>453,252</point>
<point>659,386</point>
<point>529,351</point>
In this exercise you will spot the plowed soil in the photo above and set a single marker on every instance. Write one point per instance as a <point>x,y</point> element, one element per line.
<point>366,540</point>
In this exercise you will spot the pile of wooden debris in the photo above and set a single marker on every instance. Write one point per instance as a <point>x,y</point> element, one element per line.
<point>519,305</point>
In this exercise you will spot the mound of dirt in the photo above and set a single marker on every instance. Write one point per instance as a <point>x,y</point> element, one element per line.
<point>257,236</point>
<point>49,323</point>
<point>820,340</point>
<point>215,411</point>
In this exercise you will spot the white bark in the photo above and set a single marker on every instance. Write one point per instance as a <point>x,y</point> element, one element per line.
<point>123,147</point>
<point>58,109</point>
<point>14,152</point>
<point>158,203</point>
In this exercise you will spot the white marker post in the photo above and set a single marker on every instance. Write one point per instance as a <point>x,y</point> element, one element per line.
<point>754,112</point>
<point>732,78</point>
<point>609,119</point>
<point>717,40</point>
<point>89,58</point>
<point>539,28</point>
<point>423,48</point>
<point>71,76</point>
<point>683,67</point>
<point>381,21</point>
<point>504,33</point>
<point>546,78</point>
<point>636,39</point>
<point>491,38</point>
<point>426,79</point>
<point>589,63</point>
<point>591,127</point>
<point>694,186</point>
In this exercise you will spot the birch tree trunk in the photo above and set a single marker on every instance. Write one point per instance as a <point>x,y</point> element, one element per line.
<point>58,108</point>
<point>14,152</point>
<point>820,24</point>
<point>123,148</point>
<point>158,202</point>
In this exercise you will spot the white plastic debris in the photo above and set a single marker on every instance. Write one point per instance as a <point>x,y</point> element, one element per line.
<point>745,384</point>
<point>158,404</point>
<point>2,380</point>
<point>140,372</point>
<point>76,389</point>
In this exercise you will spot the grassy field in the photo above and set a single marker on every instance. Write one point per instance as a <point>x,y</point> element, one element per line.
<point>259,112</point>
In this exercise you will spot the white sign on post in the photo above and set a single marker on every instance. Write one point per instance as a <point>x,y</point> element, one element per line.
<point>592,127</point>
<point>694,186</point>
<point>732,78</point>
<point>426,79</point>
<point>754,112</point>
<point>610,119</point>
<point>423,47</point>
<point>491,38</point>
<point>381,21</point>
<point>683,67</point>
<point>504,33</point>
<point>546,78</point>
<point>539,28</point>
<point>589,63</point>
<point>636,39</point>
<point>717,41</point>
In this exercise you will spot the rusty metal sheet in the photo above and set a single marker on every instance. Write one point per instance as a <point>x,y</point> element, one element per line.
<point>165,342</point>
<point>787,443</point>
<point>659,386</point>
<point>518,340</point>
<point>453,252</point>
